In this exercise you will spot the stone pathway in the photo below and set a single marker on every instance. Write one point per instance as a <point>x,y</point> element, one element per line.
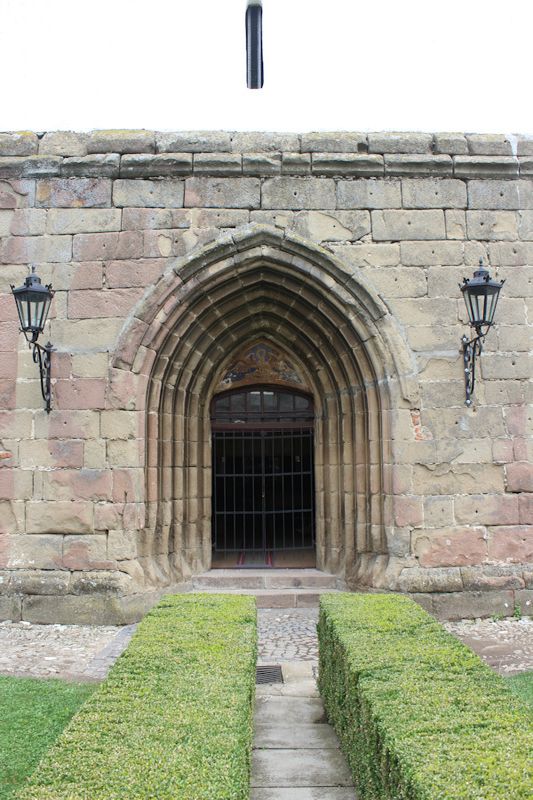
<point>287,634</point>
<point>296,754</point>
<point>71,652</point>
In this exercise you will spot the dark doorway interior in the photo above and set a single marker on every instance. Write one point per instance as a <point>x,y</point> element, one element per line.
<point>263,486</point>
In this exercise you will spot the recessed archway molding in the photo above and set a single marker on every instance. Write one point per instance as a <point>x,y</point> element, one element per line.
<point>260,282</point>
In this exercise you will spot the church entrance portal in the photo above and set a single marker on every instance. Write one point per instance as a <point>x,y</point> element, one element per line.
<point>263,484</point>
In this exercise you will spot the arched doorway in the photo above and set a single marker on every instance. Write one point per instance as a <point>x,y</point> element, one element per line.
<point>266,285</point>
<point>263,477</point>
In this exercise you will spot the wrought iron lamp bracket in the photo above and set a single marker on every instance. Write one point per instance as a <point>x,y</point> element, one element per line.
<point>42,356</point>
<point>472,348</point>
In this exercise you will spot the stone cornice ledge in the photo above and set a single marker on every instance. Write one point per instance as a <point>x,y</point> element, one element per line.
<point>149,154</point>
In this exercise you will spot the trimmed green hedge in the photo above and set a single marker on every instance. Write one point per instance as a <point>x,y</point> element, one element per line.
<point>173,719</point>
<point>418,714</point>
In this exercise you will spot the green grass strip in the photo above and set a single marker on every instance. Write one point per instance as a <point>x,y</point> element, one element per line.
<point>522,685</point>
<point>173,719</point>
<point>32,715</point>
<point>418,714</point>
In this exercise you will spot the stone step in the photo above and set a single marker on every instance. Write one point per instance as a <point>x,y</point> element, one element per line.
<point>265,579</point>
<point>275,598</point>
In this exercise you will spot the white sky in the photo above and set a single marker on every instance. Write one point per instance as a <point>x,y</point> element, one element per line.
<point>329,65</point>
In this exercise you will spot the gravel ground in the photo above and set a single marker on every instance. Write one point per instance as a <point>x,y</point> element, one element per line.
<point>82,652</point>
<point>506,645</point>
<point>73,652</point>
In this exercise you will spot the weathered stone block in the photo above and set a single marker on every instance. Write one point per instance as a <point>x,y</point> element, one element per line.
<point>344,164</point>
<point>86,220</point>
<point>43,582</point>
<point>81,484</point>
<point>526,225</point>
<point>334,142</point>
<point>261,164</point>
<point>295,163</point>
<point>493,194</point>
<point>394,225</point>
<point>24,250</point>
<point>398,282</point>
<point>121,424</point>
<point>511,544</point>
<point>97,166</point>
<point>11,608</point>
<point>485,167</point>
<point>450,547</point>
<point>492,225</point>
<point>524,145</point>
<point>408,511</point>
<point>438,511</point>
<point>111,303</point>
<point>369,193</point>
<point>487,509</point>
<point>450,143</point>
<point>121,545</point>
<point>59,517</point>
<point>264,142</point>
<point>217,164</point>
<point>34,552</point>
<point>30,167</point>
<point>42,454</point>
<point>399,142</point>
<point>80,393</point>
<point>67,425</point>
<point>153,166</point>
<point>489,577</point>
<point>418,165</point>
<point>73,193</point>
<point>461,604</point>
<point>150,194</point>
<point>28,222</point>
<point>121,141</point>
<point>496,366</point>
<point>369,255</point>
<point>455,224</point>
<point>23,143</point>
<point>86,552</point>
<point>437,579</point>
<point>425,254</point>
<point>193,142</point>
<point>489,144</point>
<point>223,192</point>
<point>103,246</point>
<point>128,274</point>
<point>336,226</point>
<point>434,193</point>
<point>519,477</point>
<point>63,143</point>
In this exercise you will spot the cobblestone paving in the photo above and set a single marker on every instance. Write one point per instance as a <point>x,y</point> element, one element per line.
<point>73,652</point>
<point>287,634</point>
<point>506,645</point>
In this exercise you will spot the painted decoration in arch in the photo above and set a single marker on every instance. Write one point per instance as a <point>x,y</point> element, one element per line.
<point>261,363</point>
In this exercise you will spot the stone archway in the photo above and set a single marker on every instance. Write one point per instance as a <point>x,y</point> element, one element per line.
<point>264,284</point>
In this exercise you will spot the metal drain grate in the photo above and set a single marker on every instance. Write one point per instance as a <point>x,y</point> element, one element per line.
<point>269,674</point>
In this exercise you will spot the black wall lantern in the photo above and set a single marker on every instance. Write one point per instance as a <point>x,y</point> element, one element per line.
<point>481,297</point>
<point>33,304</point>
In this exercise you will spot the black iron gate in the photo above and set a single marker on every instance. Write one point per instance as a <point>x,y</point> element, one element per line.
<point>263,483</point>
<point>263,490</point>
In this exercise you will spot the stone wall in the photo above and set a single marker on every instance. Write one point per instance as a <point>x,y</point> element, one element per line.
<point>169,252</point>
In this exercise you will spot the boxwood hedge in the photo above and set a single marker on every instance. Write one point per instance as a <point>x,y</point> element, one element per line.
<point>174,717</point>
<point>418,714</point>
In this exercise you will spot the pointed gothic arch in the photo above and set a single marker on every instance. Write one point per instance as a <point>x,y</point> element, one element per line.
<point>261,283</point>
